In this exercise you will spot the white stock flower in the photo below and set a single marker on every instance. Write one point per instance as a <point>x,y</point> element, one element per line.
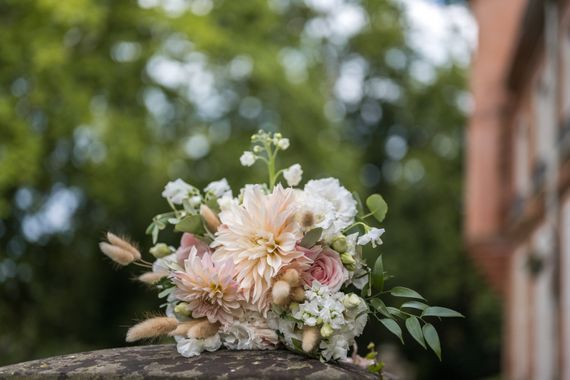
<point>177,191</point>
<point>293,174</point>
<point>334,207</point>
<point>219,188</point>
<point>286,327</point>
<point>334,348</point>
<point>189,347</point>
<point>283,143</point>
<point>247,158</point>
<point>372,236</point>
<point>321,306</point>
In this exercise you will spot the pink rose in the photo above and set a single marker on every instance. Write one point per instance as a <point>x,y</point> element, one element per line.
<point>327,269</point>
<point>186,243</point>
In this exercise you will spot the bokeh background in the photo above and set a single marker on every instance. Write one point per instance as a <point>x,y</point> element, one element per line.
<point>102,102</point>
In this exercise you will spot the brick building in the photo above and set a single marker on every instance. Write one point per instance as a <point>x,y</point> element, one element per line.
<point>518,177</point>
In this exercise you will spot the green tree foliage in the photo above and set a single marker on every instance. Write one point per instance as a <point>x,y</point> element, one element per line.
<point>102,102</point>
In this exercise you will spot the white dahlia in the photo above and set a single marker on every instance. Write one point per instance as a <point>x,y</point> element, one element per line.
<point>259,236</point>
<point>209,288</point>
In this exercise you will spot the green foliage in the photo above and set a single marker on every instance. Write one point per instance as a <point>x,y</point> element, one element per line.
<point>378,274</point>
<point>312,237</point>
<point>377,206</point>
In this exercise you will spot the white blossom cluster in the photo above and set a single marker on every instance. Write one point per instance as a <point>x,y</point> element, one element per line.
<point>340,317</point>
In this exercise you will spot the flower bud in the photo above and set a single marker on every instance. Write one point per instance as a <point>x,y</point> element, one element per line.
<point>160,250</point>
<point>182,309</point>
<point>326,330</point>
<point>211,219</point>
<point>339,244</point>
<point>347,259</point>
<point>298,294</point>
<point>351,301</point>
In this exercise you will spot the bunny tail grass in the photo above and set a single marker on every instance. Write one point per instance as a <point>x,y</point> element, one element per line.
<point>123,243</point>
<point>151,328</point>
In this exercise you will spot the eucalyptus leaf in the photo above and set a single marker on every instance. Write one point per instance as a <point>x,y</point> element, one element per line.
<point>379,305</point>
<point>414,305</point>
<point>442,312</point>
<point>378,274</point>
<point>432,339</point>
<point>400,291</point>
<point>377,206</point>
<point>312,237</point>
<point>397,313</point>
<point>415,330</point>
<point>190,223</point>
<point>393,327</point>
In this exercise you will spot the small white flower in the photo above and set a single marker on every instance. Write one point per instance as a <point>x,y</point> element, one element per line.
<point>293,174</point>
<point>372,236</point>
<point>226,202</point>
<point>219,188</point>
<point>283,143</point>
<point>189,347</point>
<point>195,201</point>
<point>247,158</point>
<point>177,191</point>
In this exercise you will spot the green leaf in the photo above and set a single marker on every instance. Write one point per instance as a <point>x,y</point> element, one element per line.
<point>297,344</point>
<point>212,203</point>
<point>400,291</point>
<point>155,231</point>
<point>379,305</point>
<point>393,327</point>
<point>190,223</point>
<point>312,237</point>
<point>378,274</point>
<point>415,330</point>
<point>165,292</point>
<point>414,305</point>
<point>396,312</point>
<point>432,339</point>
<point>442,312</point>
<point>377,206</point>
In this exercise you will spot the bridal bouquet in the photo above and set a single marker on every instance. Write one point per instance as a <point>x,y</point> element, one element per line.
<point>272,265</point>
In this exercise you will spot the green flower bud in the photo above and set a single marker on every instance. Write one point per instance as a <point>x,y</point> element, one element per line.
<point>326,330</point>
<point>351,301</point>
<point>182,309</point>
<point>347,259</point>
<point>319,321</point>
<point>160,250</point>
<point>339,244</point>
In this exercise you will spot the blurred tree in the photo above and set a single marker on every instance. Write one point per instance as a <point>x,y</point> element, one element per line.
<point>102,102</point>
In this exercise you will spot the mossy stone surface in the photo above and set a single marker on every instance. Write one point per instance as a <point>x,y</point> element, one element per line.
<point>162,361</point>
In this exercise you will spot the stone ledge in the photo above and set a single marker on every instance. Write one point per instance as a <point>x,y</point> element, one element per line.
<point>162,361</point>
